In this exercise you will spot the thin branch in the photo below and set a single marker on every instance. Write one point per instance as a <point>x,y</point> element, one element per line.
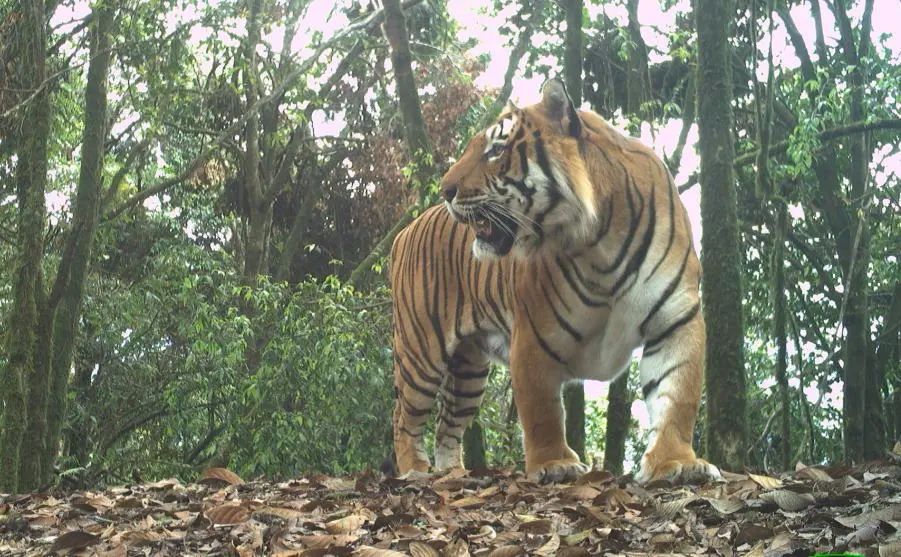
<point>833,133</point>
<point>207,153</point>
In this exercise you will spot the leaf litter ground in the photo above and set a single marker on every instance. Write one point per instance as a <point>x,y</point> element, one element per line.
<point>496,513</point>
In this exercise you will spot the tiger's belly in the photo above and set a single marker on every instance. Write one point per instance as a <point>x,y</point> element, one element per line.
<point>606,354</point>
<point>602,354</point>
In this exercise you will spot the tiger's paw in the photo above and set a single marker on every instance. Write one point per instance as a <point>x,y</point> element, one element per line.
<point>554,471</point>
<point>679,471</point>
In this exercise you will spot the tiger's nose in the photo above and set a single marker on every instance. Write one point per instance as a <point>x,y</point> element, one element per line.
<point>449,191</point>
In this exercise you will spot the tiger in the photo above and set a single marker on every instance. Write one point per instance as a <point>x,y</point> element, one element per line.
<point>561,246</point>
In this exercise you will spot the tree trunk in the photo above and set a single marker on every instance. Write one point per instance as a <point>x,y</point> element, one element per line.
<point>619,411</point>
<point>574,393</point>
<point>416,134</point>
<point>720,243</point>
<point>637,86</point>
<point>73,269</point>
<point>474,457</point>
<point>780,335</point>
<point>31,181</point>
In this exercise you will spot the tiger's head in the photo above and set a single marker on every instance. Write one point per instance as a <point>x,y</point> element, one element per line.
<point>522,184</point>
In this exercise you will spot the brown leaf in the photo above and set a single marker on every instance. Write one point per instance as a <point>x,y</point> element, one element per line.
<point>228,514</point>
<point>614,498</point>
<point>456,548</point>
<point>323,541</point>
<point>751,533</point>
<point>550,547</point>
<point>281,512</point>
<point>887,514</point>
<point>507,551</point>
<point>346,525</point>
<point>217,476</point>
<point>420,549</point>
<point>766,482</point>
<point>811,473</point>
<point>540,526</point>
<point>579,493</point>
<point>471,502</point>
<point>670,509</point>
<point>573,552</point>
<point>369,551</point>
<point>726,506</point>
<point>595,477</point>
<point>118,551</point>
<point>76,539</point>
<point>789,500</point>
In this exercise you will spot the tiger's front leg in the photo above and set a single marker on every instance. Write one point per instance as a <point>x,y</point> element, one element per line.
<point>537,382</point>
<point>671,372</point>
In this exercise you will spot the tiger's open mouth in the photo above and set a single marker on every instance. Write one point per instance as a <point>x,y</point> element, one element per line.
<point>494,228</point>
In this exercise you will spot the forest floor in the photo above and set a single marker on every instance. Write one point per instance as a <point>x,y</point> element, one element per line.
<point>497,513</point>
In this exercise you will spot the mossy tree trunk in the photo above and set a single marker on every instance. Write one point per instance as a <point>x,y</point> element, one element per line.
<point>31,181</point>
<point>619,412</point>
<point>574,393</point>
<point>720,242</point>
<point>780,335</point>
<point>68,290</point>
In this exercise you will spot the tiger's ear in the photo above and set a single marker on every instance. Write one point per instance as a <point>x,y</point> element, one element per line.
<point>560,108</point>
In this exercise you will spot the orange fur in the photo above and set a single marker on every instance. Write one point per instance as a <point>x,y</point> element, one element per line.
<point>601,262</point>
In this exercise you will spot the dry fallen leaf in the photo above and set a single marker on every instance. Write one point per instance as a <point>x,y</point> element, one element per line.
<point>228,514</point>
<point>726,506</point>
<point>213,476</point>
<point>507,551</point>
<point>420,549</point>
<point>766,482</point>
<point>323,541</point>
<point>550,547</point>
<point>471,502</point>
<point>457,548</point>
<point>346,525</point>
<point>76,539</point>
<point>789,500</point>
<point>369,551</point>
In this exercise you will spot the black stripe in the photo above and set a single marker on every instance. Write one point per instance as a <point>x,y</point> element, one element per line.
<point>409,380</point>
<point>474,374</point>
<point>641,252</point>
<point>411,410</point>
<point>672,226</point>
<point>410,433</point>
<point>459,393</point>
<point>575,288</point>
<point>667,292</point>
<point>634,220</point>
<point>560,319</point>
<point>541,342</point>
<point>654,384</point>
<point>672,328</point>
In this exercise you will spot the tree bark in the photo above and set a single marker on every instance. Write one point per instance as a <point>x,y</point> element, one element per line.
<point>720,242</point>
<point>73,270</point>
<point>619,411</point>
<point>574,393</point>
<point>780,335</point>
<point>419,146</point>
<point>474,456</point>
<point>31,181</point>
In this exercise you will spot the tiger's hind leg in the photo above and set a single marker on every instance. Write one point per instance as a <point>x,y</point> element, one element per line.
<point>415,390</point>
<point>461,394</point>
<point>671,372</point>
